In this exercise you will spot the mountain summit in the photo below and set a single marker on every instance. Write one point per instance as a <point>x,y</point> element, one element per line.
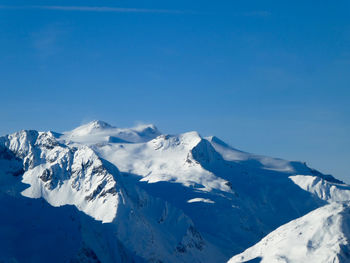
<point>100,193</point>
<point>91,127</point>
<point>100,131</point>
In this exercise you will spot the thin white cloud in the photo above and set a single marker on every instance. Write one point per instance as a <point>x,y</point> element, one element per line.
<point>95,9</point>
<point>256,13</point>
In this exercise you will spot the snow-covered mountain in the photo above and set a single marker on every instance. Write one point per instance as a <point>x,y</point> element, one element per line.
<point>104,194</point>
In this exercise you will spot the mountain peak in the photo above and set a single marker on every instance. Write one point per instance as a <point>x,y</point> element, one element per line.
<point>98,131</point>
<point>148,130</point>
<point>89,128</point>
<point>140,127</point>
<point>98,124</point>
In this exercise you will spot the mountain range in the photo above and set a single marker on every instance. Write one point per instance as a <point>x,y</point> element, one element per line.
<point>104,194</point>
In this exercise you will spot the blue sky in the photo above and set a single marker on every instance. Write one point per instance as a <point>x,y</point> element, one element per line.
<point>269,77</point>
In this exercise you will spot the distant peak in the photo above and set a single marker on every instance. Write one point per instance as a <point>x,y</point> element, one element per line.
<point>148,130</point>
<point>142,127</point>
<point>99,124</point>
<point>95,125</point>
<point>91,127</point>
<point>100,131</point>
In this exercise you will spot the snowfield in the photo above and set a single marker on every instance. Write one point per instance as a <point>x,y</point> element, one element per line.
<point>137,195</point>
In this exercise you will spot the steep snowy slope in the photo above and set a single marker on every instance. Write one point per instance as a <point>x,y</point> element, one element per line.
<point>136,195</point>
<point>64,175</point>
<point>321,236</point>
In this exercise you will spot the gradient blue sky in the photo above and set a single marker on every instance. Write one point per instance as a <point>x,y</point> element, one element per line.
<point>269,77</point>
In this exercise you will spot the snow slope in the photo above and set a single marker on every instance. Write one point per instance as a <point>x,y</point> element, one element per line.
<point>321,236</point>
<point>139,195</point>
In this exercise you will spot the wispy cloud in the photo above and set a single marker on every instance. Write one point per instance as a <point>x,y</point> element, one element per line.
<point>45,41</point>
<point>256,13</point>
<point>95,9</point>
